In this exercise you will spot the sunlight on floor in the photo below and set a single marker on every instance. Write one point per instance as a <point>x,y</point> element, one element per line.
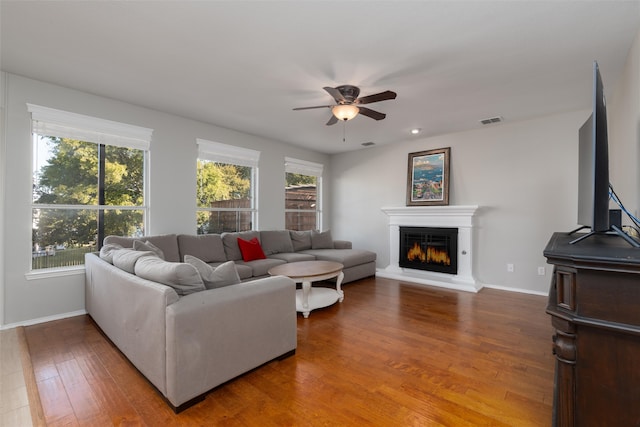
<point>14,403</point>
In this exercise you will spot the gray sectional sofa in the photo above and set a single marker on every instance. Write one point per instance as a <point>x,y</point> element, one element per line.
<point>190,326</point>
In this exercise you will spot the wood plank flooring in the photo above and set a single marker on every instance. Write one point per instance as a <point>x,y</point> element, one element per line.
<point>392,354</point>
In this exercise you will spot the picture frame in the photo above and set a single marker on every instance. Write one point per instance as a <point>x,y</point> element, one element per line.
<point>428,177</point>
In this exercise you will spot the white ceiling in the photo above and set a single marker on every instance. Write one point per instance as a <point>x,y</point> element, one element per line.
<point>245,64</point>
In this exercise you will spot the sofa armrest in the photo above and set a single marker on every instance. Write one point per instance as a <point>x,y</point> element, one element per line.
<point>342,244</point>
<point>218,334</point>
<point>131,311</point>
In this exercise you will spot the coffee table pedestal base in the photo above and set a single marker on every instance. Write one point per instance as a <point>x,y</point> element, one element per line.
<point>310,298</point>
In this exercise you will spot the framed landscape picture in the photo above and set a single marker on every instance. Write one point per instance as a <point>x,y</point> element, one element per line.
<point>428,177</point>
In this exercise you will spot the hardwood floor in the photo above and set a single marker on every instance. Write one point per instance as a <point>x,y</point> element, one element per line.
<point>392,354</point>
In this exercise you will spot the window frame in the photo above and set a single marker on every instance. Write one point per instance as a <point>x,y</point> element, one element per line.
<point>304,167</point>
<point>52,122</point>
<point>232,155</point>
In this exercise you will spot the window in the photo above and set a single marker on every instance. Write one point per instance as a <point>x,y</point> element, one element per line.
<point>303,204</point>
<point>88,182</point>
<point>226,177</point>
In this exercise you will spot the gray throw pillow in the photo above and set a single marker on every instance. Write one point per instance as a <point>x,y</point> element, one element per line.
<point>182,277</point>
<point>139,245</point>
<point>321,240</point>
<point>126,258</point>
<point>215,277</point>
<point>107,251</point>
<point>301,240</point>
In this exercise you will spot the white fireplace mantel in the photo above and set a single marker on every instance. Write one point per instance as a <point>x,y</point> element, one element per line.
<point>460,217</point>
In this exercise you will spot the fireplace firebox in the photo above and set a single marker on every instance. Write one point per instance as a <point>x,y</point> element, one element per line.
<point>430,249</point>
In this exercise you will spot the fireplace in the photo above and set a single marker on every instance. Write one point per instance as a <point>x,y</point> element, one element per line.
<point>429,249</point>
<point>435,217</point>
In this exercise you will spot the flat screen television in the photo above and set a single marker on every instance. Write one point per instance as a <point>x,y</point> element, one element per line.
<point>593,168</point>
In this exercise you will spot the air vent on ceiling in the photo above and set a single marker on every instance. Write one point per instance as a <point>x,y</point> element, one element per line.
<point>368,144</point>
<point>491,120</point>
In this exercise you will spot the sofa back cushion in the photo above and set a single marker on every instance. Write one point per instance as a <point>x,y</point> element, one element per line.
<point>127,258</point>
<point>230,243</point>
<point>182,277</point>
<point>107,251</point>
<point>321,240</point>
<point>168,243</point>
<point>276,242</point>
<point>206,247</point>
<point>301,240</point>
<point>139,245</point>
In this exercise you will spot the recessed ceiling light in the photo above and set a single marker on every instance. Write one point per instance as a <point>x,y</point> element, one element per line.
<point>415,131</point>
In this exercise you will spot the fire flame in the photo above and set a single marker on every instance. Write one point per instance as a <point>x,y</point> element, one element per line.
<point>433,255</point>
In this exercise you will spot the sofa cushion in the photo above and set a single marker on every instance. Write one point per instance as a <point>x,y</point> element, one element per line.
<point>139,245</point>
<point>107,251</point>
<point>127,258</point>
<point>167,242</point>
<point>260,267</point>
<point>215,277</point>
<point>293,257</point>
<point>321,240</point>
<point>182,277</point>
<point>346,257</point>
<point>244,271</point>
<point>230,242</point>
<point>250,249</point>
<point>301,240</point>
<point>276,241</point>
<point>206,247</point>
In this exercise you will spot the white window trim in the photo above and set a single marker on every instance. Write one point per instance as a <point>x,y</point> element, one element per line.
<point>52,122</point>
<point>240,156</point>
<point>225,153</point>
<point>59,123</point>
<point>304,167</point>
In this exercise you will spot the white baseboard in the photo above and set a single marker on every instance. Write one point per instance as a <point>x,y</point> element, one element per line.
<point>519,290</point>
<point>455,286</point>
<point>44,319</point>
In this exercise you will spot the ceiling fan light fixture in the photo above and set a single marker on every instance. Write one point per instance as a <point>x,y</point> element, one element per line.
<point>345,111</point>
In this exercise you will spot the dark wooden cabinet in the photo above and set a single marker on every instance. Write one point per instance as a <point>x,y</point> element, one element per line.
<point>594,303</point>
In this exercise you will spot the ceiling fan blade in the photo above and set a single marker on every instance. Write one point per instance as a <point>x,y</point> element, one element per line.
<point>332,121</point>
<point>382,96</point>
<point>310,108</point>
<point>335,93</point>
<point>372,113</point>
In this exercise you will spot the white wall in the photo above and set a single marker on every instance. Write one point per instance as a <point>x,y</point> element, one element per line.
<point>623,111</point>
<point>172,186</point>
<point>522,175</point>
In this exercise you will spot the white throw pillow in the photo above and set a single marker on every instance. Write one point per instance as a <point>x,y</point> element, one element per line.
<point>215,277</point>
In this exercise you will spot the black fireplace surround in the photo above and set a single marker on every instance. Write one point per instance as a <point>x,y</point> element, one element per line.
<point>430,249</point>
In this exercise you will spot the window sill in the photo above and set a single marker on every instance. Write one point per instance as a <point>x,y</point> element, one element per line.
<point>49,273</point>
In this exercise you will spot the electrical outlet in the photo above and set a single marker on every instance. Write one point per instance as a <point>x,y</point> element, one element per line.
<point>541,271</point>
<point>510,268</point>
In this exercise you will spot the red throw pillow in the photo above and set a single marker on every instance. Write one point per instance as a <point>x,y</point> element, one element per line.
<point>251,249</point>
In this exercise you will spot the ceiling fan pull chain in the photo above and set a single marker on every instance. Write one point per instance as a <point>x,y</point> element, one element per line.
<point>344,131</point>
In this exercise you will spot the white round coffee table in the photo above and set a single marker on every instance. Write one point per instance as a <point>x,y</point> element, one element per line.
<point>307,272</point>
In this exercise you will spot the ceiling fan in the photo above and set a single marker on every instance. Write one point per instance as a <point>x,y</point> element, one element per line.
<point>348,105</point>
